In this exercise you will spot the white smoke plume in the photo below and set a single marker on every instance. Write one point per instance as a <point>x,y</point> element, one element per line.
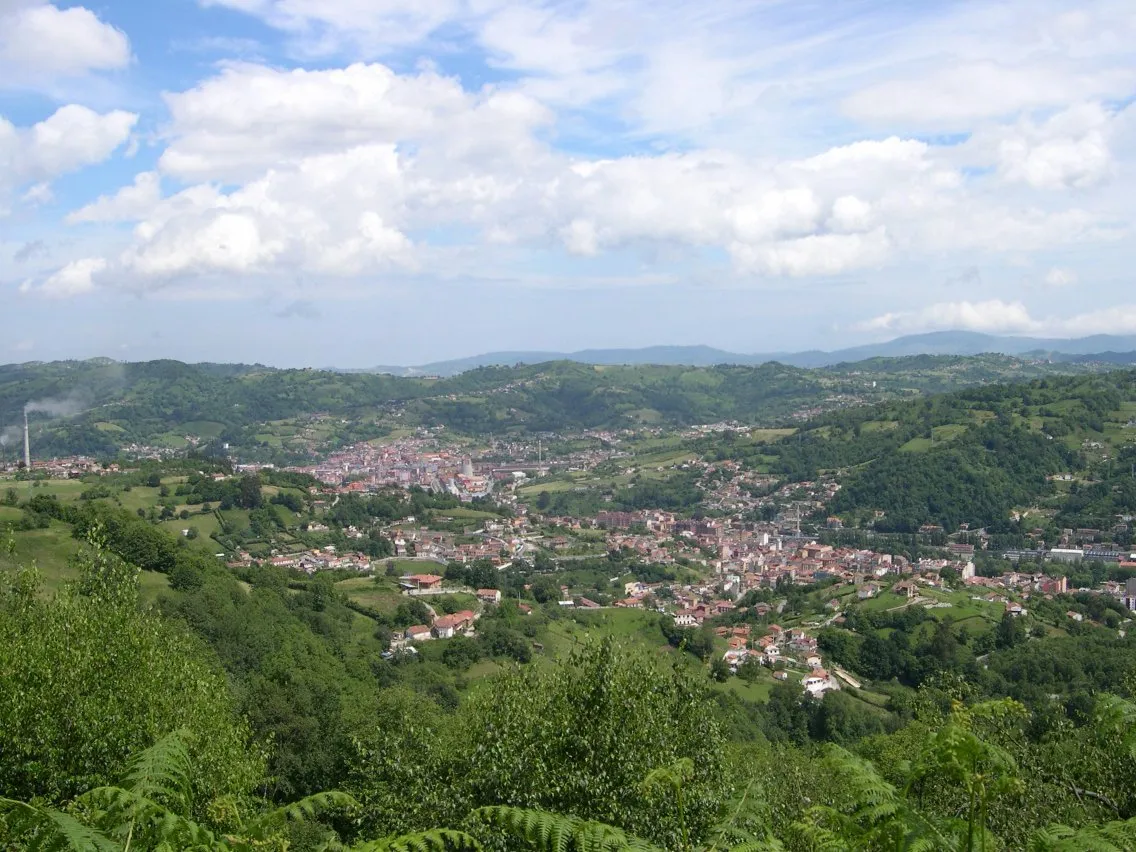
<point>66,406</point>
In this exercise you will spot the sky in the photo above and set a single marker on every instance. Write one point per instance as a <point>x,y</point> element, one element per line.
<point>360,182</point>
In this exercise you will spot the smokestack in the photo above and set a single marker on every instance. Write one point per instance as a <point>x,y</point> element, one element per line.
<point>27,445</point>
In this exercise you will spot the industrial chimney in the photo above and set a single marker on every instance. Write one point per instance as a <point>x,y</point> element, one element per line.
<point>27,445</point>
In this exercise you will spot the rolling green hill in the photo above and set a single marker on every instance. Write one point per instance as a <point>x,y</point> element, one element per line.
<point>100,406</point>
<point>1058,452</point>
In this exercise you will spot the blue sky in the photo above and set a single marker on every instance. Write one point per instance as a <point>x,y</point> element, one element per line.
<point>358,182</point>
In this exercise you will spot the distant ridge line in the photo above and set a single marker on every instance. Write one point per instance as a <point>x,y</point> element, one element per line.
<point>1111,348</point>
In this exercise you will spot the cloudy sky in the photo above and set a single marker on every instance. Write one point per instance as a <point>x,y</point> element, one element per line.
<point>356,182</point>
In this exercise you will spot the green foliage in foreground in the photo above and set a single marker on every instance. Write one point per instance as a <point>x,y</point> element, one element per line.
<point>578,738</point>
<point>117,732</point>
<point>87,678</point>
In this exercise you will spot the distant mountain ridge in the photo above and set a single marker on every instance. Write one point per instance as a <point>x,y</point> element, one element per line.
<point>1118,349</point>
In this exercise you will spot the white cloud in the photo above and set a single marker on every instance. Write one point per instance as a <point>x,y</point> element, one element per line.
<point>40,193</point>
<point>129,203</point>
<point>329,215</point>
<point>74,279</point>
<point>992,316</point>
<point>69,139</point>
<point>362,27</point>
<point>233,125</point>
<point>958,97</point>
<point>1068,151</point>
<point>358,170</point>
<point>1058,277</point>
<point>351,171</point>
<point>816,254</point>
<point>998,317</point>
<point>40,40</point>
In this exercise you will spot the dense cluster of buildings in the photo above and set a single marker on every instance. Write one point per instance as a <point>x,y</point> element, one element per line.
<point>403,463</point>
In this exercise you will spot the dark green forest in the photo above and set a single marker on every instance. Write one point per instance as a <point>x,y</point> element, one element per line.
<point>97,407</point>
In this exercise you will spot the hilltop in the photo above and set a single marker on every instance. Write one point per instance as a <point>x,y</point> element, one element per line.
<point>100,407</point>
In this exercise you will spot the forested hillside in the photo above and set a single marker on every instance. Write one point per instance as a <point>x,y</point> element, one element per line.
<point>1063,447</point>
<point>97,407</point>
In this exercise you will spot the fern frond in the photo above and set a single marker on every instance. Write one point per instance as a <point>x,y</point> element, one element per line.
<point>122,811</point>
<point>304,809</point>
<point>435,840</point>
<point>673,776</point>
<point>50,830</point>
<point>162,772</point>
<point>770,845</point>
<point>1118,836</point>
<point>873,795</point>
<point>551,832</point>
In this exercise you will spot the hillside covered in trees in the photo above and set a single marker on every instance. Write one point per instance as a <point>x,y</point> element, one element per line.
<point>97,407</point>
<point>1064,447</point>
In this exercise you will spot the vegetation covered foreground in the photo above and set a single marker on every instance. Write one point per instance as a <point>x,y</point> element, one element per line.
<point>118,731</point>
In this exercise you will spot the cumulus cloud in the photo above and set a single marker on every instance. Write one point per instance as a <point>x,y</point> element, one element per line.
<point>360,170</point>
<point>991,316</point>
<point>74,279</point>
<point>69,139</point>
<point>40,40</point>
<point>129,203</point>
<point>1068,151</point>
<point>349,171</point>
<point>300,113</point>
<point>998,317</point>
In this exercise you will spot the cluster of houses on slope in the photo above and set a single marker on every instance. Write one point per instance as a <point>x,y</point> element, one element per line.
<point>442,627</point>
<point>459,623</point>
<point>779,649</point>
<point>310,561</point>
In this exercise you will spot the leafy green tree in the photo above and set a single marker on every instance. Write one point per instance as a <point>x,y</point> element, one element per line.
<point>578,739</point>
<point>719,670</point>
<point>249,493</point>
<point>87,678</point>
<point>545,589</point>
<point>1011,632</point>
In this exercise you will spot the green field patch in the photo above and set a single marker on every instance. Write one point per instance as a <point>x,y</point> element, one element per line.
<point>140,497</point>
<point>49,550</point>
<point>873,698</point>
<point>884,601</point>
<point>756,692</point>
<point>64,489</point>
<point>104,426</point>
<point>203,428</point>
<point>550,487</point>
<point>916,445</point>
<point>384,597</point>
<point>206,526</point>
<point>768,436</point>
